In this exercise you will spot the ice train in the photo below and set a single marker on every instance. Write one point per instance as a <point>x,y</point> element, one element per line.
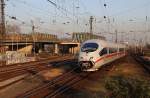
<point>95,53</point>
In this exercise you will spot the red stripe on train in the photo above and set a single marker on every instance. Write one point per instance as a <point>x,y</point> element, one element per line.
<point>109,55</point>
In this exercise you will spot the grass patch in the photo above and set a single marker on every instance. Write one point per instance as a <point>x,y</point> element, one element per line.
<point>121,87</point>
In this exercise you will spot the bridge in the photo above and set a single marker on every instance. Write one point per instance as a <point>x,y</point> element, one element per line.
<point>30,38</point>
<point>40,41</point>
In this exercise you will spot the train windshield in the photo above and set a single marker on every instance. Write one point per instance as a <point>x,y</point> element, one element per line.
<point>89,47</point>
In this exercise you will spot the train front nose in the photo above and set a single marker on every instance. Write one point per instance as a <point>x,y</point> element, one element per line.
<point>86,65</point>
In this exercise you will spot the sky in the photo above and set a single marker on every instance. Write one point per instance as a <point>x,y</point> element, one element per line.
<point>132,17</point>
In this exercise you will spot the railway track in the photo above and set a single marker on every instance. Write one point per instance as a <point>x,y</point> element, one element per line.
<point>72,81</point>
<point>14,66</point>
<point>55,86</point>
<point>60,84</point>
<point>12,71</point>
<point>143,62</point>
<point>33,64</point>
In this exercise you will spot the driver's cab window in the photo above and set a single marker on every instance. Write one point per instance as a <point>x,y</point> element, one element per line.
<point>103,52</point>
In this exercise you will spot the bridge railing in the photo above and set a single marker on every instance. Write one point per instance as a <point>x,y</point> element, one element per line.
<point>30,37</point>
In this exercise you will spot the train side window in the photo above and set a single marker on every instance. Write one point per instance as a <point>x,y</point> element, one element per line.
<point>121,49</point>
<point>112,50</point>
<point>103,52</point>
<point>115,50</point>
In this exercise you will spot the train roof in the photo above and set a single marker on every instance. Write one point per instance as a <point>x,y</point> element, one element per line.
<point>104,43</point>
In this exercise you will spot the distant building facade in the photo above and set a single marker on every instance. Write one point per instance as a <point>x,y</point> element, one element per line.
<point>81,36</point>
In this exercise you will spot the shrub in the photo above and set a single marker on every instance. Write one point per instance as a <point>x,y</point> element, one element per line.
<point>121,87</point>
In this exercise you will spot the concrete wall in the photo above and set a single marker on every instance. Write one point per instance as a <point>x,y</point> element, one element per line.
<point>26,50</point>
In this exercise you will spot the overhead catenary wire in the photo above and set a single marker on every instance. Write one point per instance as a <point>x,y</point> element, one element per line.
<point>106,16</point>
<point>64,9</point>
<point>35,9</point>
<point>39,10</point>
<point>25,23</point>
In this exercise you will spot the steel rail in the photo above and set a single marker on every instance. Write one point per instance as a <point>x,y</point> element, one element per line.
<point>24,66</point>
<point>143,62</point>
<point>66,86</point>
<point>49,84</point>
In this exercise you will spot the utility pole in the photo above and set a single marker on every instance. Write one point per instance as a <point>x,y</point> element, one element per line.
<point>33,36</point>
<point>33,27</point>
<point>2,21</point>
<point>91,24</point>
<point>116,36</point>
<point>146,29</point>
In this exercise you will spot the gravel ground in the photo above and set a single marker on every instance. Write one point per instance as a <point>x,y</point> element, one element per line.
<point>94,85</point>
<point>91,87</point>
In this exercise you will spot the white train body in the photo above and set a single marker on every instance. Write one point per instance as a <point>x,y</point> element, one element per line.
<point>95,53</point>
